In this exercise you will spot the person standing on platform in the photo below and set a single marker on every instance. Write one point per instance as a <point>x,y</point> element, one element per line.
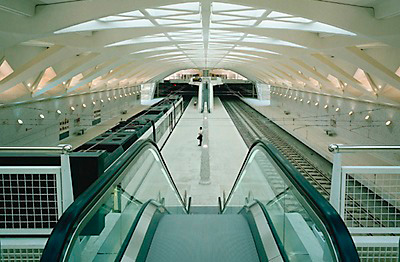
<point>200,136</point>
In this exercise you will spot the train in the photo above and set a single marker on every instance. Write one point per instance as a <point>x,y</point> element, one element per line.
<point>91,159</point>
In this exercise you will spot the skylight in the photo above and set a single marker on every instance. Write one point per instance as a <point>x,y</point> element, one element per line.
<point>235,32</point>
<point>5,70</point>
<point>48,74</point>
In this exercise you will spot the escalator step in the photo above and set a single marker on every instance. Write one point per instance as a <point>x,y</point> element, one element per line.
<point>203,238</point>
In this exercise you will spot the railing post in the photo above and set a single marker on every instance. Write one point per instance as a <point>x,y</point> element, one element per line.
<point>336,184</point>
<point>117,200</point>
<point>66,178</point>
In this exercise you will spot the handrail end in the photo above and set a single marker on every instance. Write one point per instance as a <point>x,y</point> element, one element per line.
<point>333,147</point>
<point>66,148</point>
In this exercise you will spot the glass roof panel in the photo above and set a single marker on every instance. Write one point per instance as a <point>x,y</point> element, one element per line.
<point>114,18</point>
<point>295,19</point>
<point>96,25</point>
<point>255,49</point>
<point>160,12</point>
<point>216,18</point>
<point>170,22</point>
<point>132,13</point>
<point>190,6</point>
<point>248,13</point>
<point>156,49</point>
<point>216,6</point>
<point>241,23</point>
<point>275,14</point>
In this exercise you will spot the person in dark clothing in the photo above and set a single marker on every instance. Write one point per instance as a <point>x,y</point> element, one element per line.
<point>200,136</point>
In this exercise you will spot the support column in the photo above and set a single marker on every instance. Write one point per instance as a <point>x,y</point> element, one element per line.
<point>205,153</point>
<point>200,99</point>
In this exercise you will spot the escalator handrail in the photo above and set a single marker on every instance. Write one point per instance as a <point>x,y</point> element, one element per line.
<point>64,230</point>
<point>271,226</point>
<point>133,227</point>
<point>340,236</point>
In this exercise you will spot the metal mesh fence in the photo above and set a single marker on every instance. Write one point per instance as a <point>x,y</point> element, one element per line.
<point>28,201</point>
<point>372,200</point>
<point>21,254</point>
<point>378,254</point>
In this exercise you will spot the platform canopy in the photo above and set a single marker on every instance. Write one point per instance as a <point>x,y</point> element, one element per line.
<point>339,47</point>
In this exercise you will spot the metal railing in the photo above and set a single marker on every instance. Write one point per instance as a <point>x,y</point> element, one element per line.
<point>61,149</point>
<point>35,196</point>
<point>355,180</point>
<point>368,200</point>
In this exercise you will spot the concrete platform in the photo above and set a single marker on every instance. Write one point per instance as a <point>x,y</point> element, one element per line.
<point>183,156</point>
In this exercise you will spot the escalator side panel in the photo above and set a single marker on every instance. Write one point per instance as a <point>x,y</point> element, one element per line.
<point>256,235</point>
<point>144,249</point>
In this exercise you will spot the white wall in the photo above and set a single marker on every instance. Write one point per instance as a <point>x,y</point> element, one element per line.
<point>263,91</point>
<point>45,132</point>
<point>303,118</point>
<point>148,91</point>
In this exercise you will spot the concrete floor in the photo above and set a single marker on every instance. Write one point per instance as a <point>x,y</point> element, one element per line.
<point>226,150</point>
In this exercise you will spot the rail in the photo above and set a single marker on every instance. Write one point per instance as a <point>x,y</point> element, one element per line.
<point>53,149</point>
<point>339,148</point>
<point>142,161</point>
<point>303,200</point>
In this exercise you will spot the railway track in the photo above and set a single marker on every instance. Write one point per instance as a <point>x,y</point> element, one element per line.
<point>253,126</point>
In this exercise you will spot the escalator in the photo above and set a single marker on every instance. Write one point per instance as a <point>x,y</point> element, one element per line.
<point>134,212</point>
